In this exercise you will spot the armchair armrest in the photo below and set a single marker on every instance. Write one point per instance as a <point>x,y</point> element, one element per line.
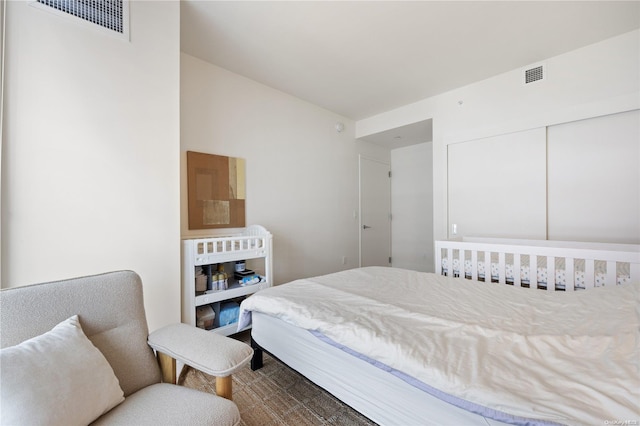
<point>208,352</point>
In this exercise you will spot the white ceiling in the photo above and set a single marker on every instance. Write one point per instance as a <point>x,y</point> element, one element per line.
<point>362,58</point>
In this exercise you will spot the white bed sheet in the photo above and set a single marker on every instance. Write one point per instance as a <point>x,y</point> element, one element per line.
<point>383,398</point>
<point>546,361</point>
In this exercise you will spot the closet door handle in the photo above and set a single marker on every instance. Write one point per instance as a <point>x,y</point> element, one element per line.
<point>365,227</point>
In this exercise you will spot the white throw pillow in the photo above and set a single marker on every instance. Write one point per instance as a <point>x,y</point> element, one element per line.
<point>58,378</point>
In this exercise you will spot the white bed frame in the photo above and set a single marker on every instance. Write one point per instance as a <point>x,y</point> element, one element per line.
<point>591,253</point>
<point>375,393</point>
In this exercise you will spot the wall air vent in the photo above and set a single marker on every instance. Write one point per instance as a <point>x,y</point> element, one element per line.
<point>537,73</point>
<point>109,14</point>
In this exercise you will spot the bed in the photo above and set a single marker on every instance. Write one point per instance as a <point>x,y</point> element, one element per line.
<point>412,348</point>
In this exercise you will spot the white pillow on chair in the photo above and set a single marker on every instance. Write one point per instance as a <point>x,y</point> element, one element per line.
<point>57,378</point>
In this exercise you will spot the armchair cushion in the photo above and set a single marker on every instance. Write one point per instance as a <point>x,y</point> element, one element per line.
<point>61,375</point>
<point>203,350</point>
<point>166,404</point>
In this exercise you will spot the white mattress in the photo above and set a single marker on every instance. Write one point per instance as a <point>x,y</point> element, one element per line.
<point>506,352</point>
<point>382,397</point>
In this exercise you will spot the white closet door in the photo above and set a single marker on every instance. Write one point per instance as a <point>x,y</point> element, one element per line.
<point>594,179</point>
<point>497,186</point>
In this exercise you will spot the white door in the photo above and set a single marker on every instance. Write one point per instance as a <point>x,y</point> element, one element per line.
<point>375,213</point>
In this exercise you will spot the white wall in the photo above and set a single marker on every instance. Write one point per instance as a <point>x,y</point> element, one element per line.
<point>412,207</point>
<point>302,175</point>
<point>596,80</point>
<point>3,28</point>
<point>90,172</point>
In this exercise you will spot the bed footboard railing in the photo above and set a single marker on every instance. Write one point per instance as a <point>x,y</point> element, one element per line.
<point>550,265</point>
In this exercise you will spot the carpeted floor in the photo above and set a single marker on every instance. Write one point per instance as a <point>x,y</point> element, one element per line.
<point>278,395</point>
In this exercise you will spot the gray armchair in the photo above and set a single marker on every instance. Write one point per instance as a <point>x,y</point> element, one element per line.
<point>50,373</point>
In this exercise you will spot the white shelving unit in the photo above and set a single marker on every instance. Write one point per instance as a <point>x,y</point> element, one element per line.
<point>254,242</point>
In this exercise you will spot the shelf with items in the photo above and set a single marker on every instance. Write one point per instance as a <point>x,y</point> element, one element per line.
<point>203,256</point>
<point>234,290</point>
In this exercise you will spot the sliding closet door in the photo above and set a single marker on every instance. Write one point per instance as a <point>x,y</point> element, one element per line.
<point>496,186</point>
<point>594,179</point>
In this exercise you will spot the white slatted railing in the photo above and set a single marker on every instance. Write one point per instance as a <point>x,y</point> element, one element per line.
<point>570,254</point>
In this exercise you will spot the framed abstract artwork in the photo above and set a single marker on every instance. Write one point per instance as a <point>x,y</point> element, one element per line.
<point>216,191</point>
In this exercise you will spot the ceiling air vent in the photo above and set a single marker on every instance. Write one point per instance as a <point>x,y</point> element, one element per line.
<point>109,14</point>
<point>534,74</point>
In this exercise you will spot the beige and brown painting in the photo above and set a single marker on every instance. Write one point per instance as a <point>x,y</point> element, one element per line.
<point>216,191</point>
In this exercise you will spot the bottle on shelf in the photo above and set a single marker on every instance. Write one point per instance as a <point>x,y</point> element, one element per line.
<point>206,269</point>
<point>223,278</point>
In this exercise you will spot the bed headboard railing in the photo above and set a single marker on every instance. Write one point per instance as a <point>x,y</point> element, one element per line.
<point>550,265</point>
